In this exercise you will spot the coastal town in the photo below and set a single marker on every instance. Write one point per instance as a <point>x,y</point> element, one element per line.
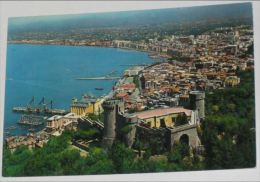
<point>131,91</point>
<point>166,97</point>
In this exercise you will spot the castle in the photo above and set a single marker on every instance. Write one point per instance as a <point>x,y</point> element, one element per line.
<point>173,124</point>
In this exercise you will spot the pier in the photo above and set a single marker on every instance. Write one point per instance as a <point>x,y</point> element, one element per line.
<point>109,76</point>
<point>41,108</point>
<point>99,78</point>
<point>135,64</point>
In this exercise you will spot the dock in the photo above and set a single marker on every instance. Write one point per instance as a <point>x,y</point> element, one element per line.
<point>39,111</point>
<point>41,108</point>
<point>99,78</point>
<point>109,76</point>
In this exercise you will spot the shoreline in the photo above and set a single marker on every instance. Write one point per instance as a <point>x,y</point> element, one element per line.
<point>105,96</point>
<point>153,55</point>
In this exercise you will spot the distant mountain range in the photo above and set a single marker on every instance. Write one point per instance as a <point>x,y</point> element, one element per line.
<point>131,19</point>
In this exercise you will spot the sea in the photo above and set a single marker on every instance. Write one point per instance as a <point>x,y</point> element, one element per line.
<point>50,71</point>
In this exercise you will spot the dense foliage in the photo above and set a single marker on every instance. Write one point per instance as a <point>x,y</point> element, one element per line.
<point>229,129</point>
<point>57,157</point>
<point>228,135</point>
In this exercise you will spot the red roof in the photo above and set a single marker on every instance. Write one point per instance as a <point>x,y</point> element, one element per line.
<point>127,86</point>
<point>121,95</point>
<point>162,112</point>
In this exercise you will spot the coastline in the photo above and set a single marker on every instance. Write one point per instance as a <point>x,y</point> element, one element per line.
<point>106,95</point>
<point>152,54</point>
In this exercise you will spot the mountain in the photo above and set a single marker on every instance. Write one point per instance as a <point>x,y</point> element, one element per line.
<point>131,19</point>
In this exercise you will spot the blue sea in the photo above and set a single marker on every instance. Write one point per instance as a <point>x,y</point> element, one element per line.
<point>50,70</point>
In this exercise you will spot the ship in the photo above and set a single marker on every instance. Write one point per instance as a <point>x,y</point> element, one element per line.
<point>99,88</point>
<point>32,120</point>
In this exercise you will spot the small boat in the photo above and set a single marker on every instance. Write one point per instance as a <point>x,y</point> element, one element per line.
<point>99,88</point>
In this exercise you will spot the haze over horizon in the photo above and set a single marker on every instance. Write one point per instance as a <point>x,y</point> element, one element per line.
<point>132,19</point>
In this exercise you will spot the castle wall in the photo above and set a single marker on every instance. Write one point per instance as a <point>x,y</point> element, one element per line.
<point>190,131</point>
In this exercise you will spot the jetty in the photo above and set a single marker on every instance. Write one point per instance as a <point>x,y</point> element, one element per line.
<point>41,108</point>
<point>99,78</point>
<point>109,76</point>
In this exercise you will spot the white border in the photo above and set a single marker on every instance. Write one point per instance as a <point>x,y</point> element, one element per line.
<point>33,8</point>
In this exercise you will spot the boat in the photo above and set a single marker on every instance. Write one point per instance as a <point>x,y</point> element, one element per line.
<point>99,88</point>
<point>33,120</point>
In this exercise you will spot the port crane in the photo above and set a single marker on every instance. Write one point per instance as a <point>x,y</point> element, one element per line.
<point>41,107</point>
<point>30,105</point>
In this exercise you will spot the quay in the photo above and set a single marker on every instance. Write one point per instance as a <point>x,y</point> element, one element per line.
<point>109,76</point>
<point>99,78</point>
<point>41,108</point>
<point>36,110</point>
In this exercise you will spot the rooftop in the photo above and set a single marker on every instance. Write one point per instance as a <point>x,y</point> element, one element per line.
<point>54,117</point>
<point>162,112</point>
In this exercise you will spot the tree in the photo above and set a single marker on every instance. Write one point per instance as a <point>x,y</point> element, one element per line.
<point>228,133</point>
<point>122,157</point>
<point>98,162</point>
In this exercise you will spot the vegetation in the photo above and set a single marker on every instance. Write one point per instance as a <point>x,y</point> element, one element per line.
<point>228,132</point>
<point>96,117</point>
<point>228,136</point>
<point>87,134</point>
<point>136,81</point>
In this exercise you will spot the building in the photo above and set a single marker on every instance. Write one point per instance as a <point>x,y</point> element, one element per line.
<point>86,105</point>
<point>14,142</point>
<point>54,123</point>
<point>232,81</point>
<point>174,124</point>
<point>57,124</point>
<point>166,117</point>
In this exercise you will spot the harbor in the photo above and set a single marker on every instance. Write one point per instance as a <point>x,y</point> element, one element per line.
<point>41,108</point>
<point>59,85</point>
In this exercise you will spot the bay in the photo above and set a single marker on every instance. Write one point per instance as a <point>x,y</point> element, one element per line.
<point>50,70</point>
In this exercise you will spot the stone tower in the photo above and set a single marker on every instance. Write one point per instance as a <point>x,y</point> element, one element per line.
<point>197,102</point>
<point>130,122</point>
<point>111,110</point>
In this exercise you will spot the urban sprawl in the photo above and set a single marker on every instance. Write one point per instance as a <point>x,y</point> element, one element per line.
<point>165,99</point>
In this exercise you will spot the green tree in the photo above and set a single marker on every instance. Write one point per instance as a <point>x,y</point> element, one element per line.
<point>122,157</point>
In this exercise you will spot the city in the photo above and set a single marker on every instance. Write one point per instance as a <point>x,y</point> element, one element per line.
<point>174,114</point>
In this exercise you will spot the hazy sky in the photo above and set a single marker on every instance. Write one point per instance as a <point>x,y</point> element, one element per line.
<point>32,8</point>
